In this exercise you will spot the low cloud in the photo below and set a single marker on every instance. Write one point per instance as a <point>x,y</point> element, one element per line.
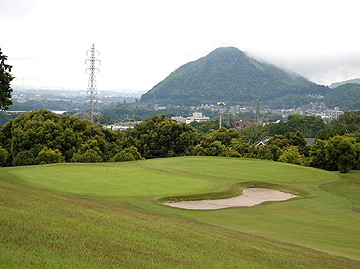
<point>16,8</point>
<point>322,69</point>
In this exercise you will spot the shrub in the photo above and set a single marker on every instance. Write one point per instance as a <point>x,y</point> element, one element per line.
<point>292,155</point>
<point>128,154</point>
<point>25,157</point>
<point>49,156</point>
<point>90,156</point>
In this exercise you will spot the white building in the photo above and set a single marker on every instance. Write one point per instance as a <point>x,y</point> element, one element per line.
<point>197,116</point>
<point>179,119</point>
<point>335,113</point>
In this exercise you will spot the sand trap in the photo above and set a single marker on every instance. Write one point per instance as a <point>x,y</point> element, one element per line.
<point>249,197</point>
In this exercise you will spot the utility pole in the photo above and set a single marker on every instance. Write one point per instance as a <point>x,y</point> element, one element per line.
<point>220,104</point>
<point>257,113</point>
<point>91,90</point>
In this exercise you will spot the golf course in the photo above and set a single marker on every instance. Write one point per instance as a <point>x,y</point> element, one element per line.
<point>105,215</point>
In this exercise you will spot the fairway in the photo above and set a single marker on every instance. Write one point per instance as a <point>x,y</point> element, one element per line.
<point>324,219</point>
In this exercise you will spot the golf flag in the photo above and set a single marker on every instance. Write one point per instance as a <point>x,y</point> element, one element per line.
<point>107,170</point>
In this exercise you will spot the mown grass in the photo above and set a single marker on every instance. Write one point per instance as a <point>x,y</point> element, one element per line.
<point>348,186</point>
<point>122,180</point>
<point>41,229</point>
<point>320,219</point>
<point>235,189</point>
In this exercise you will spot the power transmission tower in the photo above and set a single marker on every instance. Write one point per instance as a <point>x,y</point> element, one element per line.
<point>91,90</point>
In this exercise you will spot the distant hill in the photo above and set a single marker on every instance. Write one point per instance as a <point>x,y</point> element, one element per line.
<point>229,75</point>
<point>346,97</point>
<point>337,84</point>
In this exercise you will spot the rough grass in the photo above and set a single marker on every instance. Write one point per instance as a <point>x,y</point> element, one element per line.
<point>41,229</point>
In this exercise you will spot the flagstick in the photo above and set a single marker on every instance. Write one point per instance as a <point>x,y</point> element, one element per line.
<point>107,170</point>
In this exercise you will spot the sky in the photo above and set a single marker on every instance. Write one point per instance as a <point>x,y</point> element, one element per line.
<point>141,42</point>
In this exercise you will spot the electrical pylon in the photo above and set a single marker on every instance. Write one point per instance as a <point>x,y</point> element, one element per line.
<point>92,91</point>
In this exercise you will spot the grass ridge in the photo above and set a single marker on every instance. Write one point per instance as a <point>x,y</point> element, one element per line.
<point>233,190</point>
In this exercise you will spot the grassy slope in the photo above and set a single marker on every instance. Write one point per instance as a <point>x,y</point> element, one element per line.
<point>325,222</point>
<point>44,229</point>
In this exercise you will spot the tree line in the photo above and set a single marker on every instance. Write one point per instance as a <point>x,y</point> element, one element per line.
<point>41,137</point>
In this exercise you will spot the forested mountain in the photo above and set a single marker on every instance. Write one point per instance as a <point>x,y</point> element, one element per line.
<point>337,84</point>
<point>229,75</point>
<point>346,96</point>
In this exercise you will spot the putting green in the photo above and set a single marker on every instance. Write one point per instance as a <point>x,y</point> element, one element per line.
<point>122,179</point>
<point>162,177</point>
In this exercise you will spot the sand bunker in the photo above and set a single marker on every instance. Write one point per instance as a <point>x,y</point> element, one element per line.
<point>249,197</point>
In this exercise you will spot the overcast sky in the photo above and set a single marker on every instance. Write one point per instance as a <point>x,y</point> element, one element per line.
<point>141,42</point>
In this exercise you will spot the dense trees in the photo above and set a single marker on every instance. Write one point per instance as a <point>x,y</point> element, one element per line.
<point>36,136</point>
<point>5,80</point>
<point>292,155</point>
<point>129,154</point>
<point>159,137</point>
<point>223,142</point>
<point>49,156</point>
<point>346,96</point>
<point>347,124</point>
<point>338,153</point>
<point>41,137</point>
<point>308,126</point>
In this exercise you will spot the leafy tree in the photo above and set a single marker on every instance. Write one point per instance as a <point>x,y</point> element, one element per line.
<point>25,157</point>
<point>38,129</point>
<point>338,153</point>
<point>351,118</point>
<point>278,143</point>
<point>89,156</point>
<point>317,154</point>
<point>261,152</point>
<point>341,154</point>
<point>309,126</point>
<point>159,136</point>
<point>223,142</point>
<point>292,155</point>
<point>253,134</point>
<point>46,156</point>
<point>240,146</point>
<point>128,154</point>
<point>4,154</point>
<point>225,136</point>
<point>215,148</point>
<point>347,123</point>
<point>5,80</point>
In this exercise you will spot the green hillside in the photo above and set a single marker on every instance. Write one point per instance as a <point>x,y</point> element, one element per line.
<point>229,75</point>
<point>346,97</point>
